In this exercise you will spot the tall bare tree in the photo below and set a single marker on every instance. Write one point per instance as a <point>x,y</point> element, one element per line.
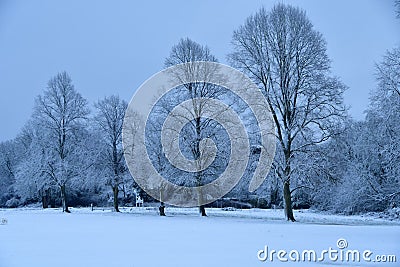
<point>60,112</point>
<point>109,119</point>
<point>282,52</point>
<point>187,51</point>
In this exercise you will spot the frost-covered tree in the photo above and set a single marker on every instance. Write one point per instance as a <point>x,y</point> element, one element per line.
<point>282,52</point>
<point>184,52</point>
<point>363,159</point>
<point>109,121</point>
<point>60,114</point>
<point>388,77</point>
<point>335,173</point>
<point>32,183</point>
<point>11,153</point>
<point>383,130</point>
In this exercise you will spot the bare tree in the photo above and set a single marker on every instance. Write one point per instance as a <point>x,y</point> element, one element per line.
<point>282,52</point>
<point>184,52</point>
<point>60,112</point>
<point>388,74</point>
<point>109,119</point>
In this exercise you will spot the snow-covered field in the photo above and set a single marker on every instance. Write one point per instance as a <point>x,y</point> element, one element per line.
<point>139,237</point>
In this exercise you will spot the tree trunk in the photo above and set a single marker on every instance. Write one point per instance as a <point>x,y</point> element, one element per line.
<point>45,197</point>
<point>162,209</point>
<point>115,191</point>
<point>64,199</point>
<point>202,210</point>
<point>287,195</point>
<point>44,202</point>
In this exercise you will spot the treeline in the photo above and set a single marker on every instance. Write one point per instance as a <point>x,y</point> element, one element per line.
<point>68,154</point>
<point>65,155</point>
<point>363,162</point>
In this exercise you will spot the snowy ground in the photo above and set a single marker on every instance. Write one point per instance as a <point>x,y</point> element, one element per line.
<point>138,237</point>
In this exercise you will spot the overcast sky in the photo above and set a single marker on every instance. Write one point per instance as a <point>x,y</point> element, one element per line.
<point>112,47</point>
